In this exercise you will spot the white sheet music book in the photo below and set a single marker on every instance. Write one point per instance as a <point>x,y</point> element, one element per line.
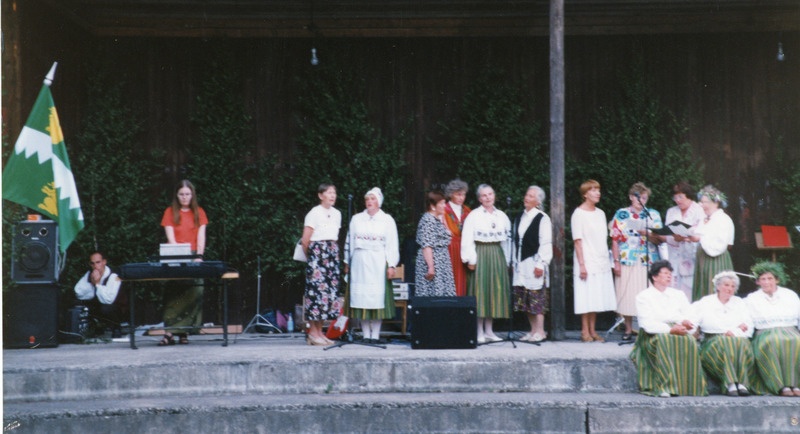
<point>179,249</point>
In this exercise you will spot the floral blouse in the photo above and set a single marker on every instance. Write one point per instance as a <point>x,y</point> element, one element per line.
<point>624,230</point>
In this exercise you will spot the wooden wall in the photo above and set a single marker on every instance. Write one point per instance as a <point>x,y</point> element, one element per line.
<point>739,101</point>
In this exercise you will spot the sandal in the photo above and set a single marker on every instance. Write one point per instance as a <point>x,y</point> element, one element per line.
<point>586,338</point>
<point>786,391</point>
<point>183,339</point>
<point>167,340</point>
<point>598,338</point>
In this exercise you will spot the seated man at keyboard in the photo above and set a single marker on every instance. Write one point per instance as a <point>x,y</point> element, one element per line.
<point>98,290</point>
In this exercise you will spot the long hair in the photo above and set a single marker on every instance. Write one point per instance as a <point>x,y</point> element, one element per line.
<point>176,205</point>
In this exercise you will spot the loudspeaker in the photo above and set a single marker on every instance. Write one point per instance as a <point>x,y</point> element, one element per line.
<point>443,323</point>
<point>30,318</point>
<point>34,250</point>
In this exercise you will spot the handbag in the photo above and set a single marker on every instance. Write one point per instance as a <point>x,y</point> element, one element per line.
<point>299,254</point>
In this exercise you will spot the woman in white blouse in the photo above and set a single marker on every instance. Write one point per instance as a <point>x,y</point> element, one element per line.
<point>776,314</point>
<point>665,353</point>
<point>726,352</point>
<point>715,233</point>
<point>320,235</point>
<point>373,253</point>
<point>533,250</point>
<point>485,248</point>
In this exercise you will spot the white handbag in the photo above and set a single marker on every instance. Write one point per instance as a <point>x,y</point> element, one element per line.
<point>299,254</point>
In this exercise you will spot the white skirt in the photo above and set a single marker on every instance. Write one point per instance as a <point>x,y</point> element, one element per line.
<point>595,294</point>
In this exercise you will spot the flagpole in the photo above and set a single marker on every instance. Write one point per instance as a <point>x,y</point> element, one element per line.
<point>48,80</point>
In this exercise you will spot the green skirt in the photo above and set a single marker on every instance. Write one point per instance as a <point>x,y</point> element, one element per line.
<point>183,307</point>
<point>706,267</point>
<point>668,363</point>
<point>489,283</point>
<point>728,359</point>
<point>777,354</point>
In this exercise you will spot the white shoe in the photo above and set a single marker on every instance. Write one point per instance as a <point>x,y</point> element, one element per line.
<point>538,337</point>
<point>494,338</point>
<point>664,395</point>
<point>527,337</point>
<point>482,340</point>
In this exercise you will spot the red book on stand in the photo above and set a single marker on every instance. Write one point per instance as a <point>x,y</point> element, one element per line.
<point>775,236</point>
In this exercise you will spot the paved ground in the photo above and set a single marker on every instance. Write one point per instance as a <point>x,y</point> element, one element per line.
<point>245,347</point>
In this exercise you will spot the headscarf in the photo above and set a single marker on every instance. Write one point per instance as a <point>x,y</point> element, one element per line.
<point>378,195</point>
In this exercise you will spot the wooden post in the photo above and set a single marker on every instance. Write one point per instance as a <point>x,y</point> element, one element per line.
<point>557,204</point>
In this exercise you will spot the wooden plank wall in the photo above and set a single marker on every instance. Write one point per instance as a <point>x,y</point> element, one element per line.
<point>739,100</point>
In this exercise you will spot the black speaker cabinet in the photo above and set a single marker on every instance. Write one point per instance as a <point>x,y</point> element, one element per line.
<point>443,323</point>
<point>35,252</point>
<point>30,316</point>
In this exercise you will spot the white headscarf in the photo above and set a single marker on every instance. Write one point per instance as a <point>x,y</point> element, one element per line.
<point>378,195</point>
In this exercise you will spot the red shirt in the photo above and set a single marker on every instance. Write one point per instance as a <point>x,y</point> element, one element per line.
<point>186,231</point>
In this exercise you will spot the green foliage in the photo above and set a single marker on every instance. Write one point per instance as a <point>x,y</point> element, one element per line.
<point>786,181</point>
<point>116,179</point>
<point>493,141</point>
<point>338,144</point>
<point>637,139</point>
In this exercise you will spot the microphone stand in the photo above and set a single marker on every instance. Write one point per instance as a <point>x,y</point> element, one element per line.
<point>258,319</point>
<point>646,216</point>
<point>347,337</point>
<point>510,334</point>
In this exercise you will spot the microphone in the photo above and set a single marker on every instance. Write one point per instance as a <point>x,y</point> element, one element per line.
<point>636,193</point>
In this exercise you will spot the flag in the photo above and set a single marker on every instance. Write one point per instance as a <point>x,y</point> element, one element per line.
<point>38,174</point>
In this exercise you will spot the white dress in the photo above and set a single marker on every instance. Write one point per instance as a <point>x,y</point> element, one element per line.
<point>372,245</point>
<point>596,293</point>
<point>682,254</point>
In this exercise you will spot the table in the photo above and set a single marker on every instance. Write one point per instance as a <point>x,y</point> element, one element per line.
<point>148,271</point>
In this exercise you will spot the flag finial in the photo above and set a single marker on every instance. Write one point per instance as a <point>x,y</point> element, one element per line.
<point>48,80</point>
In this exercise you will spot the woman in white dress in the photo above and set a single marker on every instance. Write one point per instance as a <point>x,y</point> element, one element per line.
<point>592,276</point>
<point>373,253</point>
<point>681,251</point>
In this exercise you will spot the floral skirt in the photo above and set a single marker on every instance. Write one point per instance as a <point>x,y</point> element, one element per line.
<point>531,301</point>
<point>321,299</point>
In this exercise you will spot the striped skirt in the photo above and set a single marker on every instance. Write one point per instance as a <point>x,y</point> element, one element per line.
<point>387,312</point>
<point>489,283</point>
<point>777,354</point>
<point>668,363</point>
<point>705,268</point>
<point>728,359</point>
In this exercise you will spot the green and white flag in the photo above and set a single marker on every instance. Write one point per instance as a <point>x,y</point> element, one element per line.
<point>38,174</point>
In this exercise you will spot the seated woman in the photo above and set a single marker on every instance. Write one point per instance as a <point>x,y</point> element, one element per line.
<point>776,314</point>
<point>665,352</point>
<point>726,353</point>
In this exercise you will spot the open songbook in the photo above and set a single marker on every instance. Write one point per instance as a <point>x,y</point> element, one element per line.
<point>675,228</point>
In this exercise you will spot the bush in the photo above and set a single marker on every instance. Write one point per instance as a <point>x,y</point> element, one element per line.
<point>493,141</point>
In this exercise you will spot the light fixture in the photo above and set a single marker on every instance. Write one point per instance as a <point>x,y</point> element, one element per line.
<point>315,60</point>
<point>780,55</point>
